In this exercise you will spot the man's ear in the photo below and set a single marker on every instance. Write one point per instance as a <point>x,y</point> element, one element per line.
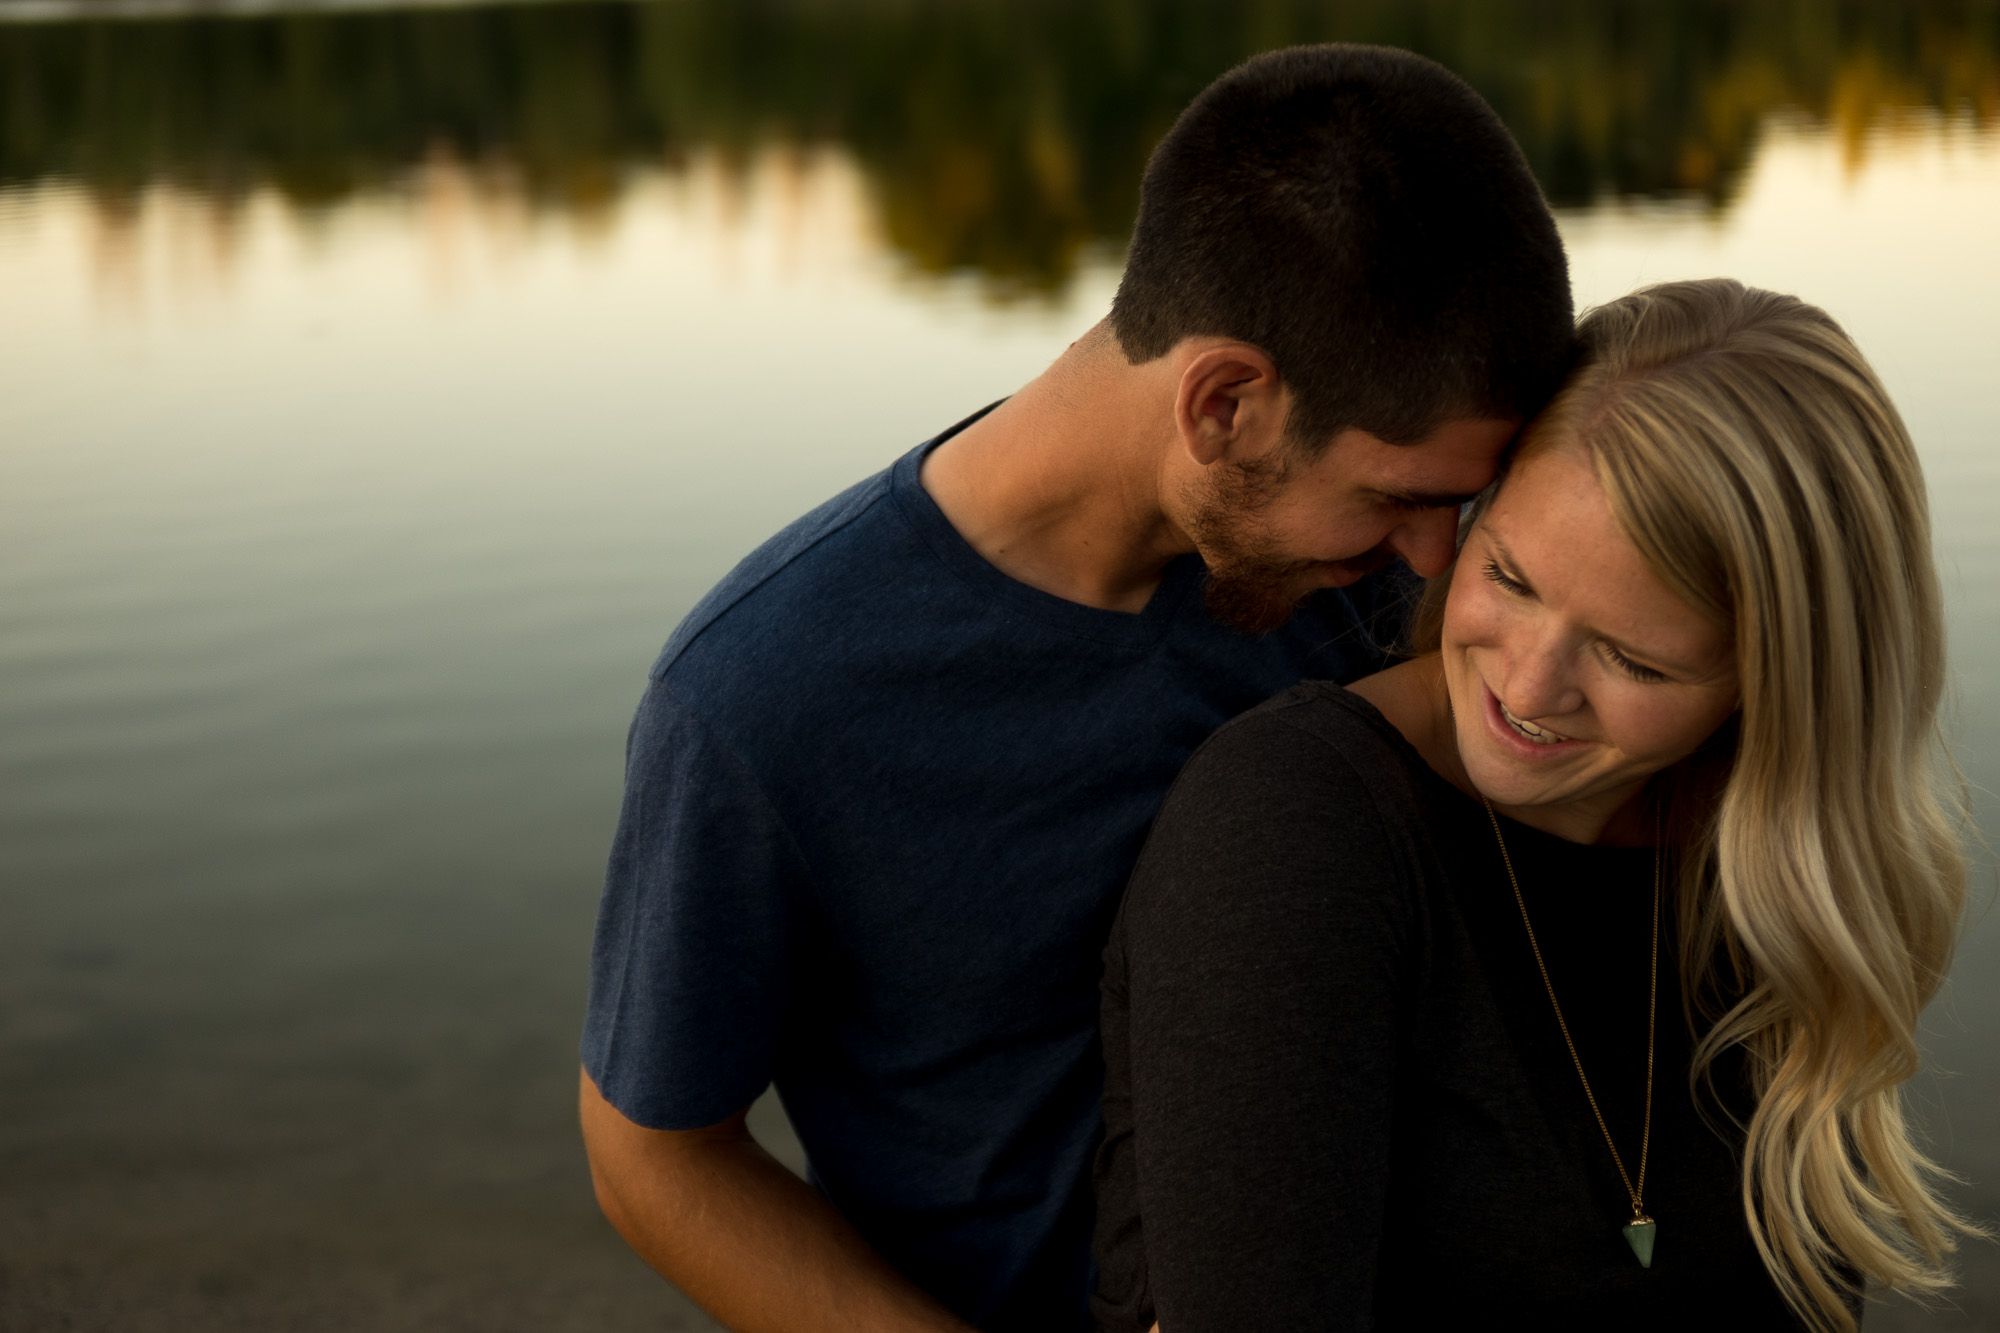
<point>1230,404</point>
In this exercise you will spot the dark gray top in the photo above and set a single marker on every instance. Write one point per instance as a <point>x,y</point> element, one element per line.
<point>1336,1095</point>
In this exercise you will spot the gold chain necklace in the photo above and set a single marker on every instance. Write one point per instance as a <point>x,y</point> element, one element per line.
<point>1639,1232</point>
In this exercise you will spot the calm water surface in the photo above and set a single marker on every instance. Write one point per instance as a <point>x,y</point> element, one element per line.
<point>335,539</point>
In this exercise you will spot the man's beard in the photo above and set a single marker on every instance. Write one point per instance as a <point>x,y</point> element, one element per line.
<point>1252,585</point>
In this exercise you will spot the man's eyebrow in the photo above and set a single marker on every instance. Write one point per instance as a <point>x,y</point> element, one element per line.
<point>1430,499</point>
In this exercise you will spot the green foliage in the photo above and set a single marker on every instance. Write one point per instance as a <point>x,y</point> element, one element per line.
<point>1002,136</point>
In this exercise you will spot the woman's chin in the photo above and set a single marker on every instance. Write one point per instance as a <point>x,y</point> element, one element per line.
<point>1508,783</point>
<point>1505,794</point>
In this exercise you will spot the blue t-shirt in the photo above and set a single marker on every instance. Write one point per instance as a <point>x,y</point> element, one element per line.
<point>881,801</point>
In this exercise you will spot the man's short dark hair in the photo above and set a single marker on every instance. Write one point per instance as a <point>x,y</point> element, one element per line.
<point>1361,215</point>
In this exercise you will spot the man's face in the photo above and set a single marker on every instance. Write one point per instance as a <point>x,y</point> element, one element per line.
<point>1274,532</point>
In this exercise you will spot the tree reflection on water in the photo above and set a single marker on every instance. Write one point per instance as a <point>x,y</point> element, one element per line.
<point>1003,137</point>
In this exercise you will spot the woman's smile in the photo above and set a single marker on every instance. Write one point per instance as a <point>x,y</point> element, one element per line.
<point>1544,741</point>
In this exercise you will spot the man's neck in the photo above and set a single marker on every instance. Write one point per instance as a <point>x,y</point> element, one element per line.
<point>1059,486</point>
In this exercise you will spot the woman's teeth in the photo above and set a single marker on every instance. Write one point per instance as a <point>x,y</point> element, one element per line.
<point>1539,735</point>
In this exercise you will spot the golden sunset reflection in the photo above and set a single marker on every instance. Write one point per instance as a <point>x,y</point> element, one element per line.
<point>378,388</point>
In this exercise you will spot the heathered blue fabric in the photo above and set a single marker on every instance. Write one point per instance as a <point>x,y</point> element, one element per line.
<point>881,801</point>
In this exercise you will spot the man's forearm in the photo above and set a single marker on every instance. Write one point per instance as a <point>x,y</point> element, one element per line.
<point>754,1245</point>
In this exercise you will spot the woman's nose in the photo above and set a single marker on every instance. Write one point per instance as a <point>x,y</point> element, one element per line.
<point>1540,683</point>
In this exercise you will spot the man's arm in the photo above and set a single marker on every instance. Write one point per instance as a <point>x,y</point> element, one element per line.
<point>753,1244</point>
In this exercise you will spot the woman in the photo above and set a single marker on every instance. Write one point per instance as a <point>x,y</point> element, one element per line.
<point>1568,972</point>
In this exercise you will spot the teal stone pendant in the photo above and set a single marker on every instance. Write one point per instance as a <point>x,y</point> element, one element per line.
<point>1639,1235</point>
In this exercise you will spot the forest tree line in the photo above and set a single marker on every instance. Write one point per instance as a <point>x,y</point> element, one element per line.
<point>1003,136</point>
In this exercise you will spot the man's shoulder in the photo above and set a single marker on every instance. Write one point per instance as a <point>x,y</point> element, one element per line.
<point>846,540</point>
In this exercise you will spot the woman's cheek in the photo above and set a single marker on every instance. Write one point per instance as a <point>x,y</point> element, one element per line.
<point>1471,614</point>
<point>1656,725</point>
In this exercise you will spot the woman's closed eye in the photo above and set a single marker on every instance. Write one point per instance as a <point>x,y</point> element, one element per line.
<point>1503,580</point>
<point>1644,674</point>
<point>1506,582</point>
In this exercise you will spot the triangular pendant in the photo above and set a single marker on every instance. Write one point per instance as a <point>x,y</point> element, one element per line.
<point>1639,1235</point>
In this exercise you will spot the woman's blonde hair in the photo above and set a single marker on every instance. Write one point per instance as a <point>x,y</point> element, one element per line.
<point>1755,461</point>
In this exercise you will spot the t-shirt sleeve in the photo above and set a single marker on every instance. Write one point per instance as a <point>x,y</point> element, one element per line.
<point>1258,954</point>
<point>690,967</point>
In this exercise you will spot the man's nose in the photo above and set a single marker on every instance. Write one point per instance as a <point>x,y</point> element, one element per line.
<point>1427,541</point>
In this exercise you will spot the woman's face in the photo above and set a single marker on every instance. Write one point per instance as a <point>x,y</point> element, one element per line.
<point>1574,672</point>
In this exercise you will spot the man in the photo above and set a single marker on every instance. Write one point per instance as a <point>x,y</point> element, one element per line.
<point>891,774</point>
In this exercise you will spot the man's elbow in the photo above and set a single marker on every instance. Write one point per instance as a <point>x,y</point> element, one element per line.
<point>597,1150</point>
<point>608,1201</point>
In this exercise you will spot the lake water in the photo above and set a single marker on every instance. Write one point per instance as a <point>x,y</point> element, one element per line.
<point>352,471</point>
